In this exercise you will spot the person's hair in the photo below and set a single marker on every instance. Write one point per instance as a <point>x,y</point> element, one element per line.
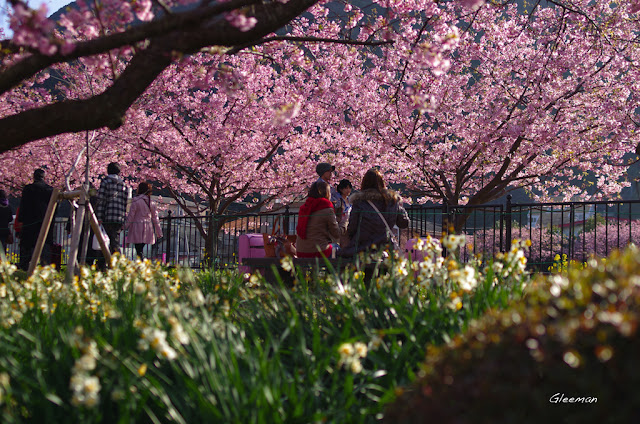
<point>113,168</point>
<point>319,189</point>
<point>144,188</point>
<point>3,194</point>
<point>38,174</point>
<point>344,184</point>
<point>373,180</point>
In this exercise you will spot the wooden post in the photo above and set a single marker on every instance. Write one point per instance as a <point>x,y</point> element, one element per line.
<point>82,249</point>
<point>75,239</point>
<point>95,226</point>
<point>44,229</point>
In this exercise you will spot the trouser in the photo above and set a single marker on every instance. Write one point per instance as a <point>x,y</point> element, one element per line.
<point>113,232</point>
<point>27,246</point>
<point>139,249</point>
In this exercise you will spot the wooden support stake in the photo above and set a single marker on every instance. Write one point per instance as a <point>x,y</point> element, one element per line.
<point>95,226</point>
<point>75,238</point>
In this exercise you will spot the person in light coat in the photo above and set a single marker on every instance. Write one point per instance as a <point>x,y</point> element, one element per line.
<point>143,226</point>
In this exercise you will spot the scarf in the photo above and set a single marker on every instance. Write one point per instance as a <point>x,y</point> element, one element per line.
<point>310,206</point>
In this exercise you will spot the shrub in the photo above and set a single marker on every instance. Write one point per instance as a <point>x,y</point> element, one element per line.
<point>573,337</point>
<point>138,344</point>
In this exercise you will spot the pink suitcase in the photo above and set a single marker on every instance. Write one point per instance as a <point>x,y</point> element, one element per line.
<point>249,246</point>
<point>410,252</point>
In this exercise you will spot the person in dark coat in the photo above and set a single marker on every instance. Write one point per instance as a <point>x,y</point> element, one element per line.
<point>33,207</point>
<point>6,217</point>
<point>366,229</point>
<point>342,206</point>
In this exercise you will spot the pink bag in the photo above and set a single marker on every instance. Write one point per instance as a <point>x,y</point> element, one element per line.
<point>410,252</point>
<point>249,246</point>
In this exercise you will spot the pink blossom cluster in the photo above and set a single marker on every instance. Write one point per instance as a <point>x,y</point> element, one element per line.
<point>472,4</point>
<point>241,21</point>
<point>33,29</point>
<point>143,9</point>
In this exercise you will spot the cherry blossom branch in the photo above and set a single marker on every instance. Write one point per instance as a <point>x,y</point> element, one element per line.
<point>308,40</point>
<point>188,21</point>
<point>108,108</point>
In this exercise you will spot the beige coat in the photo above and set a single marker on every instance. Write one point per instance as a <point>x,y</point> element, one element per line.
<point>322,229</point>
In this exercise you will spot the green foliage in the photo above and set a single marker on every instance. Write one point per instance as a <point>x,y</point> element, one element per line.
<point>143,344</point>
<point>573,337</point>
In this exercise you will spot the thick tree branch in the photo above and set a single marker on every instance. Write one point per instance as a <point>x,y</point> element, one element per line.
<point>108,109</point>
<point>29,66</point>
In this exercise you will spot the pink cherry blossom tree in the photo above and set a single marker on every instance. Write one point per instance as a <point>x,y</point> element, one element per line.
<point>535,100</point>
<point>469,101</point>
<point>217,130</point>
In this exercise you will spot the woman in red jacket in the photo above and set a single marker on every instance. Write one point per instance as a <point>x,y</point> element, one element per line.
<point>317,225</point>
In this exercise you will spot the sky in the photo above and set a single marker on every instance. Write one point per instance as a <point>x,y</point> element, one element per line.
<point>52,7</point>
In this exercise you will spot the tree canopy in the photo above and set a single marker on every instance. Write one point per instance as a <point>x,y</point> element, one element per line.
<point>458,101</point>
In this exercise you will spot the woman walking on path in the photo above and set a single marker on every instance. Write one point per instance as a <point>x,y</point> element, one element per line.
<point>375,211</point>
<point>143,226</point>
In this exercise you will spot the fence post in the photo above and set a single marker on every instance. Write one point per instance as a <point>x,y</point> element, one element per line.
<point>445,220</point>
<point>502,219</point>
<point>445,226</point>
<point>214,232</point>
<point>508,224</point>
<point>572,223</point>
<point>285,220</point>
<point>168,239</point>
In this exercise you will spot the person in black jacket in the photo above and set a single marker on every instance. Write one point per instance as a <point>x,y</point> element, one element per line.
<point>33,207</point>
<point>370,206</point>
<point>6,216</point>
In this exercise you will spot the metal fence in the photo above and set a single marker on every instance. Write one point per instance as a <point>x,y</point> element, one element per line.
<point>571,230</point>
<point>558,230</point>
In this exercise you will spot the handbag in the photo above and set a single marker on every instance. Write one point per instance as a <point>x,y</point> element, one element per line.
<point>95,244</point>
<point>278,245</point>
<point>392,236</point>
